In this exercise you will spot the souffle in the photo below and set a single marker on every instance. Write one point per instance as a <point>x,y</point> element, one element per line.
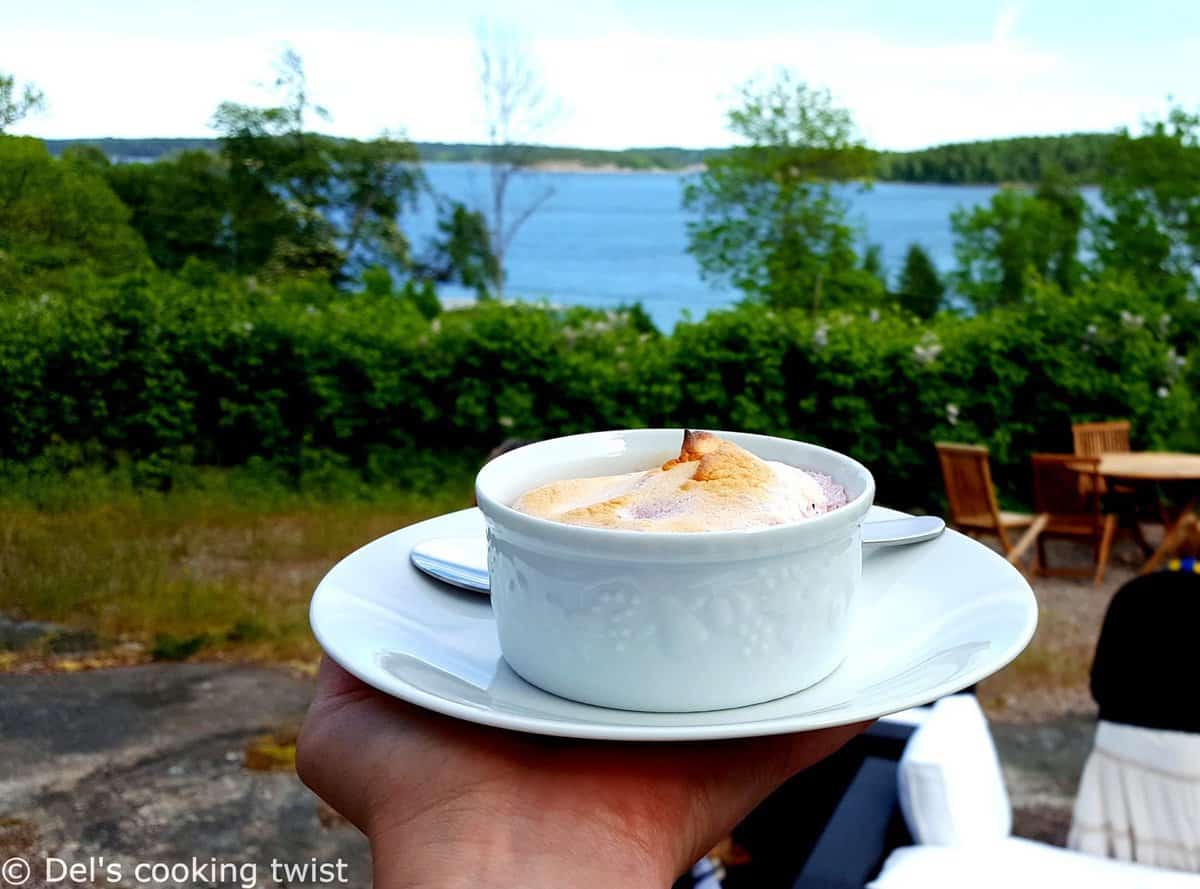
<point>713,485</point>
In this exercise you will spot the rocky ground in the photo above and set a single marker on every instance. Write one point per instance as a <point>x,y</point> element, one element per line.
<point>161,762</point>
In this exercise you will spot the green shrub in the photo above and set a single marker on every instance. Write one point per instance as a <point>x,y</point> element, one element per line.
<point>330,392</point>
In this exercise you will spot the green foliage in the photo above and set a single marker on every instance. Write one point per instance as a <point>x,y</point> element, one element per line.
<point>377,281</point>
<point>920,288</point>
<point>306,203</point>
<point>423,297</point>
<point>1081,157</point>
<point>57,215</point>
<point>462,251</point>
<point>769,221</point>
<point>1017,236</point>
<point>872,263</point>
<point>344,391</point>
<point>179,206</point>
<point>638,317</point>
<point>17,103</point>
<point>1151,225</point>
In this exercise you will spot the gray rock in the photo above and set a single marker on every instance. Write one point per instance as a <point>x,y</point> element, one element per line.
<point>133,764</point>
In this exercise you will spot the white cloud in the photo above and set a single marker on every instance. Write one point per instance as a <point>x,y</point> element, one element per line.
<point>619,87</point>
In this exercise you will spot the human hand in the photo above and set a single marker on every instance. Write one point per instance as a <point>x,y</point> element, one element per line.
<point>447,803</point>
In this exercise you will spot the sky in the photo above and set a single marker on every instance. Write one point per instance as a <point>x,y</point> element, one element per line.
<point>625,72</point>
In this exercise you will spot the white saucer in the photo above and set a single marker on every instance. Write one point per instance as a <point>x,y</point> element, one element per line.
<point>930,619</point>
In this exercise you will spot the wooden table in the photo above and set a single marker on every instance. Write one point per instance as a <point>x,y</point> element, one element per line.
<point>1150,466</point>
<point>1157,467</point>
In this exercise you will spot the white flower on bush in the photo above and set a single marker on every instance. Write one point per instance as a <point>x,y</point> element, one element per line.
<point>1092,331</point>
<point>873,316</point>
<point>952,414</point>
<point>436,325</point>
<point>928,349</point>
<point>1132,321</point>
<point>1164,324</point>
<point>821,336</point>
<point>310,310</point>
<point>1163,391</point>
<point>506,422</point>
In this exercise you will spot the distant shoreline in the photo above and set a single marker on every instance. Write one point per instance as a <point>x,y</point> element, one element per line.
<point>1080,157</point>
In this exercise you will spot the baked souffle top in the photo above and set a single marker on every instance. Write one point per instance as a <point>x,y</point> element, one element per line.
<point>713,485</point>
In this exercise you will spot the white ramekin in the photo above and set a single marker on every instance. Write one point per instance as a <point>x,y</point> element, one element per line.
<point>669,621</point>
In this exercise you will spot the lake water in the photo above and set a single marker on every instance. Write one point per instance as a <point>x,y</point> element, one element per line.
<point>603,239</point>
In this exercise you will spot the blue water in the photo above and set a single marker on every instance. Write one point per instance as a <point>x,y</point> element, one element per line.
<point>603,239</point>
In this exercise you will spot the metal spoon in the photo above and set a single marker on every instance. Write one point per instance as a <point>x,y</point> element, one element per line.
<point>462,561</point>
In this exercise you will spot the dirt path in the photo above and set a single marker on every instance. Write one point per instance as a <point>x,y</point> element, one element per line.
<point>145,764</point>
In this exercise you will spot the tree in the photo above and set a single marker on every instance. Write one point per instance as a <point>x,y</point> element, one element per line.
<point>872,263</point>
<point>1150,228</point>
<point>179,205</point>
<point>58,214</point>
<point>769,221</point>
<point>304,202</point>
<point>1017,234</point>
<point>461,251</point>
<point>18,103</point>
<point>1055,191</point>
<point>517,109</point>
<point>920,289</point>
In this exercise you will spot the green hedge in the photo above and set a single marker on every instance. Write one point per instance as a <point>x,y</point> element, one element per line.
<point>167,372</point>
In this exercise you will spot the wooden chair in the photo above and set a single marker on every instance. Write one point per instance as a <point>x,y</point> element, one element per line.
<point>1112,437</point>
<point>972,496</point>
<point>1067,509</point>
<point>1098,439</point>
<point>1094,439</point>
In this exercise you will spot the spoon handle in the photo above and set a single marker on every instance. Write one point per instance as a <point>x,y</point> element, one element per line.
<point>462,561</point>
<point>897,532</point>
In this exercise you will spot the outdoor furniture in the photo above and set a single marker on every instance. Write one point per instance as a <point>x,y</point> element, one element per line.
<point>1095,439</point>
<point>1156,468</point>
<point>1067,498</point>
<point>1098,439</point>
<point>974,509</point>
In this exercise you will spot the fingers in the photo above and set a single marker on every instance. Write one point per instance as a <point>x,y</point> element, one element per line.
<point>333,681</point>
<point>325,759</point>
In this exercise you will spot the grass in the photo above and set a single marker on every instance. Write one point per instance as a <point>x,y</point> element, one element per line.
<point>225,563</point>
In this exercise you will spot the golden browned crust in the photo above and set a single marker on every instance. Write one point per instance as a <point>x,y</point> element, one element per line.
<point>718,470</point>
<point>722,463</point>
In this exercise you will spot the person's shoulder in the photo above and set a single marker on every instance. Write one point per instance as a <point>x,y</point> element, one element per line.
<point>1157,586</point>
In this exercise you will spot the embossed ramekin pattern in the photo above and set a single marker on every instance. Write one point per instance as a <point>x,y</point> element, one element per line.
<point>669,622</point>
